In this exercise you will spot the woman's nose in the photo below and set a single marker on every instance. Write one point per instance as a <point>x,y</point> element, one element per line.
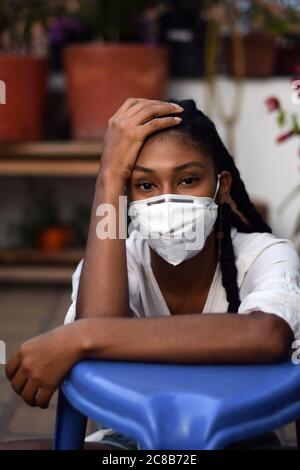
<point>168,189</point>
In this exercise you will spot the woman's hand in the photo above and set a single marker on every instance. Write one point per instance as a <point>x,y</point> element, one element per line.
<point>41,363</point>
<point>127,129</point>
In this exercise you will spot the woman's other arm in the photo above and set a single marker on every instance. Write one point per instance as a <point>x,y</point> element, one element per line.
<point>42,362</point>
<point>257,337</point>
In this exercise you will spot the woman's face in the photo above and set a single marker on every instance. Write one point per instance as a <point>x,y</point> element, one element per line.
<point>166,166</point>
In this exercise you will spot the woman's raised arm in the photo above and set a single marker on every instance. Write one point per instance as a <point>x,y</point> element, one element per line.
<point>103,285</point>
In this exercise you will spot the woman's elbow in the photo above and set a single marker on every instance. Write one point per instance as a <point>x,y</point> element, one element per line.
<point>279,337</point>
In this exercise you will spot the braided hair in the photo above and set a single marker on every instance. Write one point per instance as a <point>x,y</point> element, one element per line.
<point>198,131</point>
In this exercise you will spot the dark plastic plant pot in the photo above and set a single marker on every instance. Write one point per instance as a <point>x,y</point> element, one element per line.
<point>260,55</point>
<point>288,55</point>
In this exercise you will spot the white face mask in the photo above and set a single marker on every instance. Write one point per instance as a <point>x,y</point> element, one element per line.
<point>175,226</point>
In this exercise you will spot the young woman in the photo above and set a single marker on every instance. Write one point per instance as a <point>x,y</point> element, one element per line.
<point>233,298</point>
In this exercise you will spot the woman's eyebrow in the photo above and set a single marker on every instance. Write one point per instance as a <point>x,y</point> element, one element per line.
<point>188,165</point>
<point>143,168</point>
<point>176,168</point>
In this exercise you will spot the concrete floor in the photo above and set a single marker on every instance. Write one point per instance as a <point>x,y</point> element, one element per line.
<point>26,311</point>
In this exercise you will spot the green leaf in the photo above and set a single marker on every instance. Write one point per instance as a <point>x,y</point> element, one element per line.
<point>281,118</point>
<point>296,126</point>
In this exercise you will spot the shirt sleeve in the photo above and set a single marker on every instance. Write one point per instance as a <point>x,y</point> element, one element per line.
<point>70,316</point>
<point>272,284</point>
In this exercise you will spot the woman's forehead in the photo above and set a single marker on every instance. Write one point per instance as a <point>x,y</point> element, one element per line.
<point>167,151</point>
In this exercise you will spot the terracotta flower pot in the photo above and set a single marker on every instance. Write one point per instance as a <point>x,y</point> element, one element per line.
<point>25,89</point>
<point>260,55</point>
<point>55,238</point>
<point>100,76</point>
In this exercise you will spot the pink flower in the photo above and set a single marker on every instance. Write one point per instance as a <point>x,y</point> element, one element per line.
<point>285,136</point>
<point>272,103</point>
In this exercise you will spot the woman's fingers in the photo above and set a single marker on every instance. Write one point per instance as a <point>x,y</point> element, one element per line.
<point>12,366</point>
<point>132,105</point>
<point>141,104</point>
<point>154,110</point>
<point>19,381</point>
<point>35,395</point>
<point>159,123</point>
<point>29,392</point>
<point>129,104</point>
<point>43,397</point>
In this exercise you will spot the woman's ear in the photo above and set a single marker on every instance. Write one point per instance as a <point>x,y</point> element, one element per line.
<point>225,186</point>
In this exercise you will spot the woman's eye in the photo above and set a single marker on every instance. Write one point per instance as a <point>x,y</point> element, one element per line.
<point>189,180</point>
<point>144,186</point>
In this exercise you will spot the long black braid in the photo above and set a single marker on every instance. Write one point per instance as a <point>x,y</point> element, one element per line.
<point>197,130</point>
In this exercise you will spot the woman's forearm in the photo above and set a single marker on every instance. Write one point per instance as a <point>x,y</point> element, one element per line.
<point>195,338</point>
<point>103,286</point>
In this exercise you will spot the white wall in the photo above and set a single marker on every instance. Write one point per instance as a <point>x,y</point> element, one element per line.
<point>269,170</point>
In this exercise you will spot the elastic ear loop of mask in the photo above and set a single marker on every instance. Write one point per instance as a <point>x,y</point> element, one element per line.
<point>126,193</point>
<point>217,188</point>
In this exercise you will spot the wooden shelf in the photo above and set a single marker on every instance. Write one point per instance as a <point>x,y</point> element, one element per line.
<point>38,159</point>
<point>42,149</point>
<point>36,274</point>
<point>11,256</point>
<point>71,158</point>
<point>37,266</point>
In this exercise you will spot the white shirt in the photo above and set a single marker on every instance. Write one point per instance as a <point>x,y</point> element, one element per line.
<point>268,280</point>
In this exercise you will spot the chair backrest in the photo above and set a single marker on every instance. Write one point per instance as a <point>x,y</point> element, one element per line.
<point>186,405</point>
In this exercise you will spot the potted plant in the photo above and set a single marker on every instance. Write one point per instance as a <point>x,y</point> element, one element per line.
<point>182,29</point>
<point>23,68</point>
<point>250,31</point>
<point>42,226</point>
<point>291,124</point>
<point>120,62</point>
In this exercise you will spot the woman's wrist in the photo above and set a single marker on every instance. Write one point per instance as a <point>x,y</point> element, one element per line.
<point>88,337</point>
<point>79,337</point>
<point>108,180</point>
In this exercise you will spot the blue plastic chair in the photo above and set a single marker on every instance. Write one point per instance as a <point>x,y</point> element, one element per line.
<point>177,406</point>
